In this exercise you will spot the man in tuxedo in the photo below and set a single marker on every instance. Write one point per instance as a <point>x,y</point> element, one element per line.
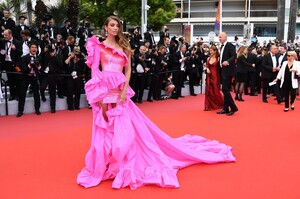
<point>6,23</point>
<point>11,51</point>
<point>30,69</point>
<point>84,32</point>
<point>227,64</point>
<point>67,30</point>
<point>20,27</point>
<point>26,40</point>
<point>270,68</point>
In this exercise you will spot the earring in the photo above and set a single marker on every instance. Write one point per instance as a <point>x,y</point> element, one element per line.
<point>106,33</point>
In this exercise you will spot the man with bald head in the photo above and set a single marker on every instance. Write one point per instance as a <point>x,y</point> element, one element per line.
<point>227,64</point>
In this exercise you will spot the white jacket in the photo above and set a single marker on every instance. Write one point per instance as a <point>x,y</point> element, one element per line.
<point>280,75</point>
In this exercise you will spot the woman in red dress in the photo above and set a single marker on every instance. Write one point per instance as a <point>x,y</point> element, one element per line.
<point>213,95</point>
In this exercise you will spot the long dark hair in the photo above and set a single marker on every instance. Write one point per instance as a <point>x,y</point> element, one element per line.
<point>120,38</point>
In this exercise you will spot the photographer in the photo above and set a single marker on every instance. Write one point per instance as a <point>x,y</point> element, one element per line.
<point>67,30</point>
<point>51,66</point>
<point>31,70</point>
<point>163,34</point>
<point>76,66</point>
<point>191,69</point>
<point>84,32</point>
<point>141,68</point>
<point>180,62</point>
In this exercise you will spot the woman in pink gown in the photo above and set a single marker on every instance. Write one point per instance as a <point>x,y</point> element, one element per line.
<point>213,95</point>
<point>126,146</point>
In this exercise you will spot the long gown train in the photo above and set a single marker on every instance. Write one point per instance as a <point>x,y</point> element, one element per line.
<point>129,148</point>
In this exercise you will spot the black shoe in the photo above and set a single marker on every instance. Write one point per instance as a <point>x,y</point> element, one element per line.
<point>253,94</point>
<point>149,100</point>
<point>292,107</point>
<point>241,99</point>
<point>43,99</point>
<point>231,112</point>
<point>279,101</point>
<point>61,96</point>
<point>223,112</point>
<point>174,97</point>
<point>17,98</point>
<point>286,110</point>
<point>77,108</point>
<point>265,101</point>
<point>71,109</point>
<point>193,94</point>
<point>11,98</point>
<point>181,96</point>
<point>19,114</point>
<point>140,101</point>
<point>53,110</point>
<point>38,112</point>
<point>237,98</point>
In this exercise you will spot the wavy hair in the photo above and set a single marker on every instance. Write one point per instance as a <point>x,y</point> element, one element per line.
<point>120,38</point>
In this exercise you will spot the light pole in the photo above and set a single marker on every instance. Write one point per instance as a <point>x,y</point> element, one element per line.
<point>145,8</point>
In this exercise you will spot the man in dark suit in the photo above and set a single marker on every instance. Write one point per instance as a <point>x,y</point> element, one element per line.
<point>163,34</point>
<point>84,32</point>
<point>20,27</point>
<point>67,30</point>
<point>148,36</point>
<point>6,23</point>
<point>180,63</point>
<point>30,69</point>
<point>11,51</point>
<point>227,64</point>
<point>270,68</point>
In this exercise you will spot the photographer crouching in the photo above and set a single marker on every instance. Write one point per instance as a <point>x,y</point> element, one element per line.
<point>76,66</point>
<point>31,69</point>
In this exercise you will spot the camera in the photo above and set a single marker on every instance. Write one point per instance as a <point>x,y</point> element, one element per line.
<point>34,62</point>
<point>78,55</point>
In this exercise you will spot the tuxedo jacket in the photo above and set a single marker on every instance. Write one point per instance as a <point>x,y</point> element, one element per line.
<point>177,63</point>
<point>18,30</point>
<point>148,37</point>
<point>229,54</point>
<point>267,66</point>
<point>14,54</point>
<point>25,61</point>
<point>64,33</point>
<point>81,35</point>
<point>10,24</point>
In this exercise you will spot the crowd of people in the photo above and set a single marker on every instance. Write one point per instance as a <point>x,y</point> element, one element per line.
<point>53,58</point>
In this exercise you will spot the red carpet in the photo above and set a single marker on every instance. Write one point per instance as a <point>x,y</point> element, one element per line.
<point>40,156</point>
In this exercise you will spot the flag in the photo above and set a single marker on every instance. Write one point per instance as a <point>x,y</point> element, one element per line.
<point>217,23</point>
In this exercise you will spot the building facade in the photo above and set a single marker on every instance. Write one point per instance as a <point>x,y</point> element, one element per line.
<point>202,15</point>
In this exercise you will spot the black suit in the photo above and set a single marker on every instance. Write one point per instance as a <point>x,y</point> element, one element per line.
<point>83,33</point>
<point>65,32</point>
<point>227,73</point>
<point>18,29</point>
<point>178,75</point>
<point>269,75</point>
<point>148,36</point>
<point>13,65</point>
<point>7,24</point>
<point>30,76</point>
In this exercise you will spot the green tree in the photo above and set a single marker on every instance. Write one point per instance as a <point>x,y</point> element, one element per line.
<point>95,11</point>
<point>160,12</point>
<point>40,11</point>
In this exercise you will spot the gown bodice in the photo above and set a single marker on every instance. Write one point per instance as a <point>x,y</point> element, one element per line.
<point>112,60</point>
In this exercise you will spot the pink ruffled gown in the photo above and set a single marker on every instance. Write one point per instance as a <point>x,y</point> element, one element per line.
<point>129,148</point>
